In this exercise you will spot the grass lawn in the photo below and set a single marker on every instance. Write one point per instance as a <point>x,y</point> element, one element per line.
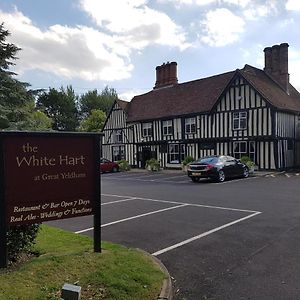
<point>64,257</point>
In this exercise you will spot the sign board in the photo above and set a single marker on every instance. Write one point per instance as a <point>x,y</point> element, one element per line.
<point>49,176</point>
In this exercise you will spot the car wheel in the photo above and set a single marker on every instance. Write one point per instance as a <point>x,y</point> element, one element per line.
<point>245,172</point>
<point>114,170</point>
<point>221,176</point>
<point>195,179</point>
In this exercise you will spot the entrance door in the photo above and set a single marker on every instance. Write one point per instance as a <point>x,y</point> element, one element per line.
<point>146,155</point>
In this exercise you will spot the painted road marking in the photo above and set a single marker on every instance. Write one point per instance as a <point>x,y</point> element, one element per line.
<point>134,217</point>
<point>236,180</point>
<point>118,201</point>
<point>197,237</point>
<point>183,203</point>
<point>179,205</point>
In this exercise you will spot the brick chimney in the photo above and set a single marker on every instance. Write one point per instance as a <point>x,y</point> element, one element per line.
<point>276,64</point>
<point>166,75</point>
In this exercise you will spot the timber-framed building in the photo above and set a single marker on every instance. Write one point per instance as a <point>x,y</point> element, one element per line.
<point>247,111</point>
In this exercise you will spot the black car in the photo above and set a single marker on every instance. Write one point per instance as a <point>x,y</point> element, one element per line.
<point>217,167</point>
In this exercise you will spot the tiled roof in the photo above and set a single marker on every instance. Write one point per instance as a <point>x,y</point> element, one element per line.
<point>201,95</point>
<point>123,104</point>
<point>271,91</point>
<point>179,99</point>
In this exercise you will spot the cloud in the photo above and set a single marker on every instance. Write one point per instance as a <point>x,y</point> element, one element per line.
<point>294,67</point>
<point>87,53</point>
<point>127,96</point>
<point>221,27</point>
<point>293,5</point>
<point>78,52</point>
<point>178,3</point>
<point>135,23</point>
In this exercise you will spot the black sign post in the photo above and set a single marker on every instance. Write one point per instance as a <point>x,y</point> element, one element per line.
<point>97,203</point>
<point>3,227</point>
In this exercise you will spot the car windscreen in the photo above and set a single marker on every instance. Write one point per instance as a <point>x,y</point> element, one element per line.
<point>208,160</point>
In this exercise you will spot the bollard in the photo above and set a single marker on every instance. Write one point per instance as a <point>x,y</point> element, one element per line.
<point>71,292</point>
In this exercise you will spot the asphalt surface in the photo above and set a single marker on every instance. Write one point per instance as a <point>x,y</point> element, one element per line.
<point>232,240</point>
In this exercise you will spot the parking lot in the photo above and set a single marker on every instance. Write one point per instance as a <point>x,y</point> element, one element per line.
<point>231,240</point>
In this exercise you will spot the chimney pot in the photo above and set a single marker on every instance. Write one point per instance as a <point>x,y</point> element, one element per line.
<point>166,75</point>
<point>276,64</point>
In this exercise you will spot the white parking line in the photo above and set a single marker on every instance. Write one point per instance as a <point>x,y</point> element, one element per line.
<point>183,203</point>
<point>120,175</point>
<point>134,217</point>
<point>179,205</point>
<point>236,180</point>
<point>202,235</point>
<point>287,175</point>
<point>118,201</point>
<point>151,175</point>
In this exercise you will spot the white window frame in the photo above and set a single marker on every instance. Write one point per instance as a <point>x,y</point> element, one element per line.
<point>147,129</point>
<point>118,136</point>
<point>176,153</point>
<point>239,118</point>
<point>190,125</point>
<point>239,153</point>
<point>167,127</point>
<point>251,150</point>
<point>118,153</point>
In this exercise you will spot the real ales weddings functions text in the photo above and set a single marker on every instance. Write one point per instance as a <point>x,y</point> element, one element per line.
<point>53,180</point>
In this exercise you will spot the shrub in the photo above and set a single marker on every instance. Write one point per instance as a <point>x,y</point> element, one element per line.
<point>153,164</point>
<point>187,160</point>
<point>123,165</point>
<point>20,240</point>
<point>248,162</point>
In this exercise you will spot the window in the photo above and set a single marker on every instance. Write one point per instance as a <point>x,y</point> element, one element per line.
<point>118,136</point>
<point>290,145</point>
<point>239,149</point>
<point>190,125</point>
<point>239,120</point>
<point>252,150</point>
<point>176,153</point>
<point>167,127</point>
<point>147,129</point>
<point>118,153</point>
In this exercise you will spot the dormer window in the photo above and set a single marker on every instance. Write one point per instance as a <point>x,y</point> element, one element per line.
<point>240,120</point>
<point>190,125</point>
<point>147,129</point>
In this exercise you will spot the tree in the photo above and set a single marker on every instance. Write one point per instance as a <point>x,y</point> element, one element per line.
<point>17,102</point>
<point>94,122</point>
<point>17,111</point>
<point>7,51</point>
<point>61,107</point>
<point>92,100</point>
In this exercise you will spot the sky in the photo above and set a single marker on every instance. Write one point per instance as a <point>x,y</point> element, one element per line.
<point>90,44</point>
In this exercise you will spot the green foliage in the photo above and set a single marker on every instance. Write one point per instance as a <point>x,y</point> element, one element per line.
<point>187,160</point>
<point>20,239</point>
<point>17,111</point>
<point>7,51</point>
<point>92,100</point>
<point>94,122</point>
<point>123,165</point>
<point>61,107</point>
<point>117,273</point>
<point>39,121</point>
<point>153,164</point>
<point>247,161</point>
